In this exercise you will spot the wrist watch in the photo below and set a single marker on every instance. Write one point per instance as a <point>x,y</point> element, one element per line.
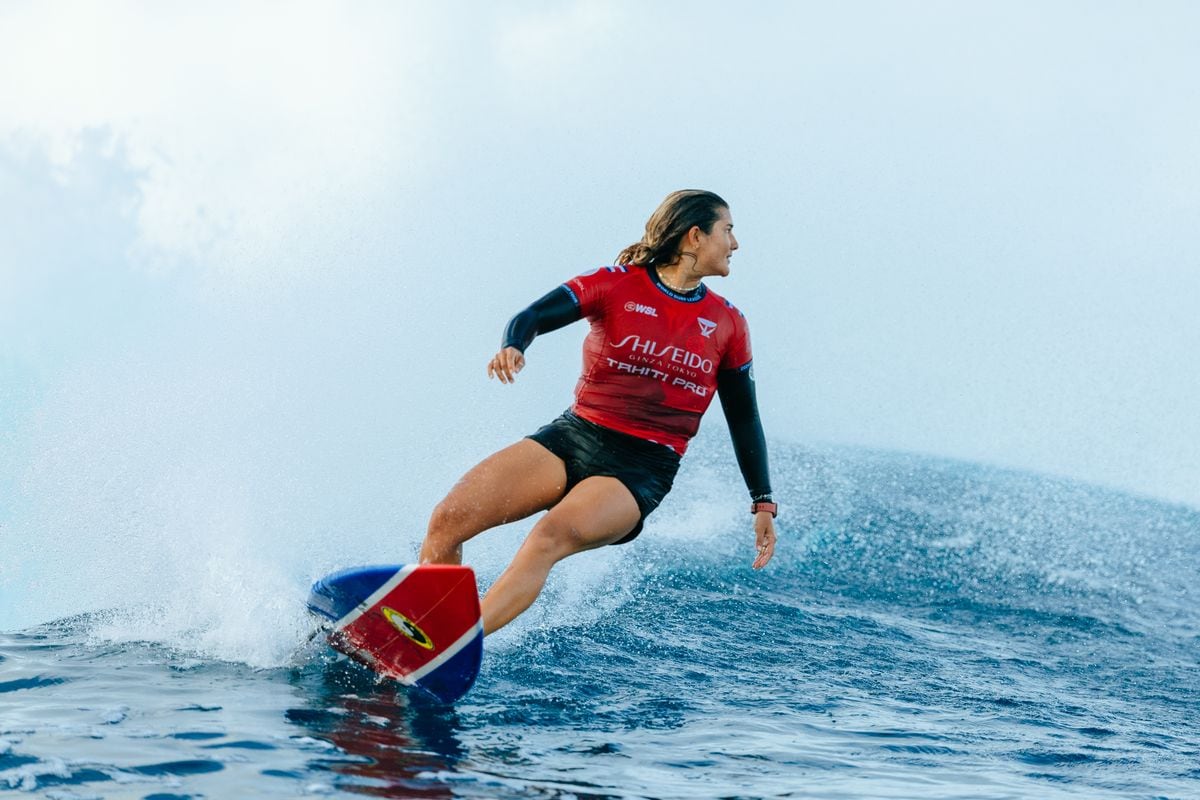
<point>764,505</point>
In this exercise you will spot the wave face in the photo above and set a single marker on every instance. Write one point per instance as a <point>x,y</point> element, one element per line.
<point>971,631</point>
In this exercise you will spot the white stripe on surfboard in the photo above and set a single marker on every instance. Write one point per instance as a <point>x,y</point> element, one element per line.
<point>378,595</point>
<point>445,655</point>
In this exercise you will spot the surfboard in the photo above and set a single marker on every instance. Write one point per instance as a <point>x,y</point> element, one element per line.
<point>418,624</point>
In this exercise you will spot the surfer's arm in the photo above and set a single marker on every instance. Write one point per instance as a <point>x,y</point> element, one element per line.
<point>740,404</point>
<point>556,309</point>
<point>549,313</point>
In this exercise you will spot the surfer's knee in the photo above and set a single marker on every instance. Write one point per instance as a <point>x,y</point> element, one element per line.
<point>450,522</point>
<point>557,538</point>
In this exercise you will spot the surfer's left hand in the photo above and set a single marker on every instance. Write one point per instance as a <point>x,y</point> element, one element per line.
<point>764,538</point>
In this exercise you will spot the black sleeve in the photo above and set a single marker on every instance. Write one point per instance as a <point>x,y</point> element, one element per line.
<point>738,400</point>
<point>556,309</point>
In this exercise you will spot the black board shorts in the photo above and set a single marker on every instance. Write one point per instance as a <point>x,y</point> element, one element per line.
<point>589,450</point>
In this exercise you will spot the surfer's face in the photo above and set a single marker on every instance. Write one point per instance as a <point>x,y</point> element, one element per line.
<point>714,249</point>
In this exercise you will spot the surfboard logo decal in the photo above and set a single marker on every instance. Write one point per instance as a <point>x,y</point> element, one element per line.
<point>407,627</point>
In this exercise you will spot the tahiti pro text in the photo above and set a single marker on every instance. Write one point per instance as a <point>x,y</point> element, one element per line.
<point>657,374</point>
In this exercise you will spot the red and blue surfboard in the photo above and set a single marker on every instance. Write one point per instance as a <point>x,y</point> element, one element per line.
<point>419,624</point>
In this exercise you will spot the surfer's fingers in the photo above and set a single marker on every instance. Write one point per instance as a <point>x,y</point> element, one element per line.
<point>495,369</point>
<point>506,364</point>
<point>764,540</point>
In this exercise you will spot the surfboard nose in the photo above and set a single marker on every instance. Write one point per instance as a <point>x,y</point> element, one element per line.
<point>339,593</point>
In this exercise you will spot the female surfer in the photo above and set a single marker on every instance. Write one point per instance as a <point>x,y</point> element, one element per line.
<point>661,344</point>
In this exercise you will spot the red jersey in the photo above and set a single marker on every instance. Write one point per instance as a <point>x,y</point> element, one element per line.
<point>651,359</point>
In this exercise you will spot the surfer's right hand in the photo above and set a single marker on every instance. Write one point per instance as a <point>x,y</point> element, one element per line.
<point>506,364</point>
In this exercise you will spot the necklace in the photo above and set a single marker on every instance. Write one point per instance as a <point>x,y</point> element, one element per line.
<point>672,286</point>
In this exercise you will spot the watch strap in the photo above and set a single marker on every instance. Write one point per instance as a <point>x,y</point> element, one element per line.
<point>764,505</point>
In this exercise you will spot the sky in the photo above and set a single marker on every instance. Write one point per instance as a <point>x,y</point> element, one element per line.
<point>255,257</point>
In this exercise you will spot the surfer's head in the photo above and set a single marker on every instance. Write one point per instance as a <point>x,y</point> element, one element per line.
<point>669,224</point>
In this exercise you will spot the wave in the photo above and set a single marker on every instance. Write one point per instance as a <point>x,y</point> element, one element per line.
<point>966,539</point>
<point>942,540</point>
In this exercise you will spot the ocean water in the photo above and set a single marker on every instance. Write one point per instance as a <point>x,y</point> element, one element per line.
<point>928,629</point>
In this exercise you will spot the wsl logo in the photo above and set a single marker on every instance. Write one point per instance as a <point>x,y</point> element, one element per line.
<point>707,326</point>
<point>649,311</point>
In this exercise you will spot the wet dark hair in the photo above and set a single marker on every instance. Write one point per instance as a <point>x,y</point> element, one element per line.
<point>670,222</point>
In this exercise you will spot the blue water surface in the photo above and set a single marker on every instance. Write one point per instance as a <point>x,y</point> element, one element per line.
<point>928,629</point>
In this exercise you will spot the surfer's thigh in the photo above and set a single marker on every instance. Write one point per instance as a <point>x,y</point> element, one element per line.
<point>598,511</point>
<point>519,480</point>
